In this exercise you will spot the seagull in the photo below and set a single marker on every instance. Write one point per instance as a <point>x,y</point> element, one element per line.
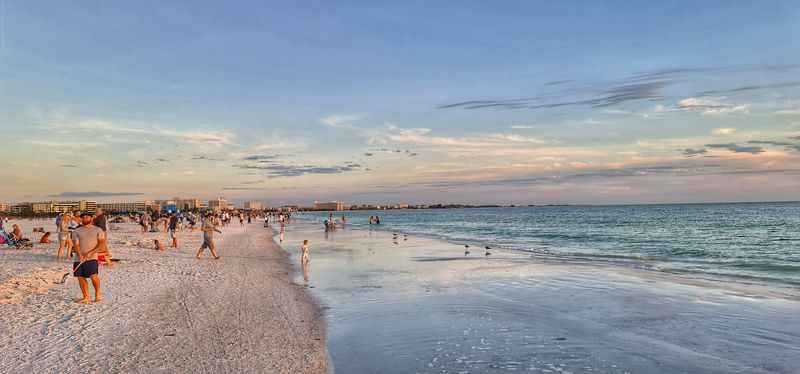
<point>487,250</point>
<point>466,249</point>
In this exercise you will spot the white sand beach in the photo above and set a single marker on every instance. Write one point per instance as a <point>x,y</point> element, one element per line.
<point>162,311</point>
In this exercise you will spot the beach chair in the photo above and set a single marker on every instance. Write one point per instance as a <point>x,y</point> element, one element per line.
<point>17,244</point>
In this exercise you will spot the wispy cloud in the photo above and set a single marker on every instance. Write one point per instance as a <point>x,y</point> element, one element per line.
<point>795,146</point>
<point>260,157</point>
<point>81,195</point>
<point>735,148</point>
<point>56,144</point>
<point>280,170</point>
<point>342,121</point>
<point>643,171</point>
<point>242,188</point>
<point>723,131</point>
<point>638,87</point>
<point>690,152</point>
<point>771,142</point>
<point>754,87</point>
<point>711,105</point>
<point>789,111</point>
<point>514,138</point>
<point>423,137</point>
<point>253,182</point>
<point>206,158</point>
<point>207,137</point>
<point>616,94</point>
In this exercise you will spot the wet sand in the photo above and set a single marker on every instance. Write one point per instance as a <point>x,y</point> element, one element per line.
<point>418,305</point>
<point>167,312</point>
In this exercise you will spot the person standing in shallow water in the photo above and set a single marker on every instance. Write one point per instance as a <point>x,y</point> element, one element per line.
<point>304,253</point>
<point>209,227</point>
<point>304,259</point>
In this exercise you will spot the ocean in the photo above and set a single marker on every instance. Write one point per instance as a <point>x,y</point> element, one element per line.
<point>751,242</point>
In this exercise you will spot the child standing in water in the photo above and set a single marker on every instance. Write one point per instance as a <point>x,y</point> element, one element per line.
<point>304,252</point>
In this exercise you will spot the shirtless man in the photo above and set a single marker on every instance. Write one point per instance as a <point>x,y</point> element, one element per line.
<point>88,240</point>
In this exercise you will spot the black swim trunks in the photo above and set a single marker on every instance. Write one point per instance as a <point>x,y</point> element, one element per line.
<point>86,270</point>
<point>208,241</point>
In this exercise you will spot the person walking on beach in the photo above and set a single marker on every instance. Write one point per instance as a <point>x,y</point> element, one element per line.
<point>89,240</point>
<point>143,222</point>
<point>64,240</point>
<point>173,230</point>
<point>208,227</point>
<point>191,219</point>
<point>304,252</point>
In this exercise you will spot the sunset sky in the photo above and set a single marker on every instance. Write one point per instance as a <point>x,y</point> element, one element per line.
<point>416,101</point>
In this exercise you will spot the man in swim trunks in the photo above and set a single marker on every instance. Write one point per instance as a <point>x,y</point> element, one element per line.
<point>88,240</point>
<point>208,228</point>
<point>173,229</point>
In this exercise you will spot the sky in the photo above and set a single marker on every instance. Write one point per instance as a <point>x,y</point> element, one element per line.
<point>529,102</point>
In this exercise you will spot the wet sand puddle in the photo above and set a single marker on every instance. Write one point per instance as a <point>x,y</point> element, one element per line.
<point>409,304</point>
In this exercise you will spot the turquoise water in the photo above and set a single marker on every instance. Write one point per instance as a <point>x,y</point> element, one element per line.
<point>748,241</point>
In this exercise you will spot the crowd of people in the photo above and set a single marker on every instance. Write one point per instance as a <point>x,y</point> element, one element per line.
<point>84,237</point>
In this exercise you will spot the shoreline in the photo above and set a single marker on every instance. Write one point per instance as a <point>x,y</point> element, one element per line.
<point>167,311</point>
<point>513,312</point>
<point>646,268</point>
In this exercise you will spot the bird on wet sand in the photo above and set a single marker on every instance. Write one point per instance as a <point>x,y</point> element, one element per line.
<point>466,249</point>
<point>487,250</point>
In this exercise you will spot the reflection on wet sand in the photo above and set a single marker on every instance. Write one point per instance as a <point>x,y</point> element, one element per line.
<point>420,305</point>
